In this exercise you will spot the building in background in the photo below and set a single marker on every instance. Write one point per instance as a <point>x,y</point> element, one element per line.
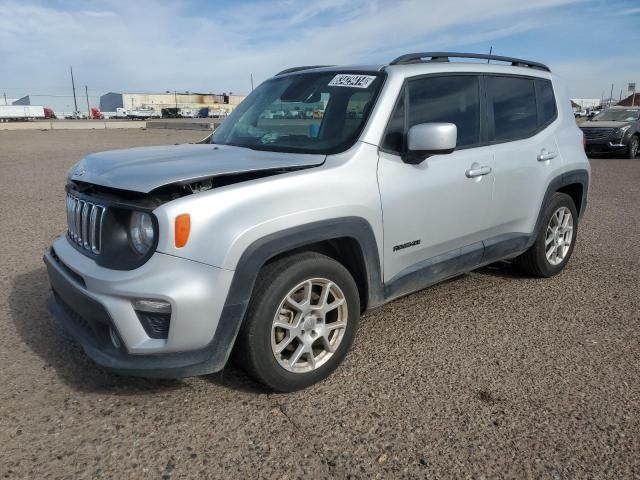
<point>221,104</point>
<point>632,100</point>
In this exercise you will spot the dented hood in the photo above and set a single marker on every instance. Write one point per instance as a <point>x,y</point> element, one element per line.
<point>147,168</point>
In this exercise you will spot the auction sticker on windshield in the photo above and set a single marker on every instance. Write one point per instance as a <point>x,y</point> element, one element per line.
<point>350,80</point>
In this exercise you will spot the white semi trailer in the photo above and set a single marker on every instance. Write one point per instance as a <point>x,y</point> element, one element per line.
<point>9,113</point>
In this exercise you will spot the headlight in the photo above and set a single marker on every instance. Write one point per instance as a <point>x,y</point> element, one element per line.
<point>141,232</point>
<point>619,132</point>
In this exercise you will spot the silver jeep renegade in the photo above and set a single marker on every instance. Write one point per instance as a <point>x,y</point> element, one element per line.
<point>328,192</point>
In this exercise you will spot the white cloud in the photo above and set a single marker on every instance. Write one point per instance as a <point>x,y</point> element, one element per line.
<point>629,11</point>
<point>152,45</point>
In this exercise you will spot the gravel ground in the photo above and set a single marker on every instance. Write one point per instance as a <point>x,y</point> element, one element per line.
<point>490,375</point>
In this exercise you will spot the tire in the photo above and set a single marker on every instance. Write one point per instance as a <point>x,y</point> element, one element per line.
<point>258,340</point>
<point>634,146</point>
<point>535,260</point>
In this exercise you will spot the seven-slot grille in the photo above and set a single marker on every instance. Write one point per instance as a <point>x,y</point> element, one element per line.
<point>597,133</point>
<point>84,221</point>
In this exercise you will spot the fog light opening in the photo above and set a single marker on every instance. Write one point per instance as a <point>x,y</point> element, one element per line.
<point>155,317</point>
<point>114,338</point>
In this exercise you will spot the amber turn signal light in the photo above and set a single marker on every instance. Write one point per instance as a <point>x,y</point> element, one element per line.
<point>183,227</point>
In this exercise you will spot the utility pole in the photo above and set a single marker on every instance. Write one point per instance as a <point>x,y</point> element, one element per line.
<point>86,92</point>
<point>175,95</point>
<point>252,82</point>
<point>490,52</point>
<point>73,85</point>
<point>5,98</point>
<point>611,96</point>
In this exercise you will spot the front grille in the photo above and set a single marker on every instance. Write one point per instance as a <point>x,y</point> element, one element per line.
<point>84,223</point>
<point>597,133</point>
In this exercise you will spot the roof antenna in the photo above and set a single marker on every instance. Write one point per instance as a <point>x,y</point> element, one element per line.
<point>490,50</point>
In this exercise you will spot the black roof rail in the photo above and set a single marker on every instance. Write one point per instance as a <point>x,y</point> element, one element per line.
<point>444,57</point>
<point>298,69</point>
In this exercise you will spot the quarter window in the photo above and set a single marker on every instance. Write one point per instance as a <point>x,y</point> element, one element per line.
<point>547,101</point>
<point>512,110</point>
<point>394,138</point>
<point>451,99</point>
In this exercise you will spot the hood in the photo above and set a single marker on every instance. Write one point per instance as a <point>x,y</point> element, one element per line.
<point>609,124</point>
<point>147,168</point>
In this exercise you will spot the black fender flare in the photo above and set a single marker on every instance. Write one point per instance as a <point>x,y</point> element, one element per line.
<point>266,248</point>
<point>580,176</point>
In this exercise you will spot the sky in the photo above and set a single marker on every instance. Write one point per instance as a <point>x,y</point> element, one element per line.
<point>215,46</point>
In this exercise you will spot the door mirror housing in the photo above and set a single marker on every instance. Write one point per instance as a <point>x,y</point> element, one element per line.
<point>426,139</point>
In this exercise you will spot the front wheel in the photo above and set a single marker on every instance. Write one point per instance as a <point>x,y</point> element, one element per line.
<point>300,323</point>
<point>555,241</point>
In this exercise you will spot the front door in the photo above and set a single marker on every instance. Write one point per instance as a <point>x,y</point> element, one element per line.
<point>435,209</point>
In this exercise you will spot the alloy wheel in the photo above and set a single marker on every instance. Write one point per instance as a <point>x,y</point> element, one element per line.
<point>309,325</point>
<point>559,236</point>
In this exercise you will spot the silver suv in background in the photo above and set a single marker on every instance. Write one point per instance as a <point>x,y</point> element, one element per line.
<point>269,240</point>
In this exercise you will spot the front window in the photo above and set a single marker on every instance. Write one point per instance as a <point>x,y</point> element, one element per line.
<point>615,115</point>
<point>321,112</point>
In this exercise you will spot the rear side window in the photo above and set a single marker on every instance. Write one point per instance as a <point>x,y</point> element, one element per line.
<point>546,101</point>
<point>452,99</point>
<point>511,108</point>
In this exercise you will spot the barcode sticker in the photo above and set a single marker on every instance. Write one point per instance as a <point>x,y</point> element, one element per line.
<point>350,80</point>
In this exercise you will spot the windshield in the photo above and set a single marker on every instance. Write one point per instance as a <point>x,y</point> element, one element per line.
<point>617,116</point>
<point>322,112</point>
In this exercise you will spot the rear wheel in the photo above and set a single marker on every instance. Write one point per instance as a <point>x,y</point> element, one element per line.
<point>300,323</point>
<point>556,239</point>
<point>634,146</point>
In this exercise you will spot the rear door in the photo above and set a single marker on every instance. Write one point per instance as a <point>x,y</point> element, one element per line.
<point>521,121</point>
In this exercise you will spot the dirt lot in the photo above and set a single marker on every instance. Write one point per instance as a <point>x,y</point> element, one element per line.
<point>490,375</point>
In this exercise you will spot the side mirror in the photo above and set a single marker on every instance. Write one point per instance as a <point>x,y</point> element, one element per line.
<point>426,139</point>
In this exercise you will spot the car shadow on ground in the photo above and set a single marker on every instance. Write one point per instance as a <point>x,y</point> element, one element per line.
<point>504,269</point>
<point>41,332</point>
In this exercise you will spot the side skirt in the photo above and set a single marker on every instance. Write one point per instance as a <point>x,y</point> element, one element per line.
<point>454,263</point>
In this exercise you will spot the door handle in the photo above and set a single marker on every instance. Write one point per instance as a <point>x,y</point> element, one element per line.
<point>545,155</point>
<point>477,171</point>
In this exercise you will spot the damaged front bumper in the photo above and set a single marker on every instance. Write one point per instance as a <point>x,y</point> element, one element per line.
<point>96,305</point>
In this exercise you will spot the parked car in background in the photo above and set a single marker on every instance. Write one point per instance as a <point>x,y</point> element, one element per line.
<point>222,113</point>
<point>77,115</point>
<point>614,130</point>
<point>268,241</point>
<point>593,112</point>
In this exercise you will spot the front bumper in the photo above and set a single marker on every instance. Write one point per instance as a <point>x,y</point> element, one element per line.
<point>606,146</point>
<point>94,303</point>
